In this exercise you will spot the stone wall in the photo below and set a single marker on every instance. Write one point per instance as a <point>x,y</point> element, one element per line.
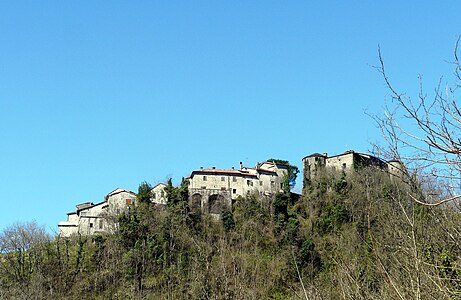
<point>212,201</point>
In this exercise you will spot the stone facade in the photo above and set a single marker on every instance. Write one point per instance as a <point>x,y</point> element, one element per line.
<point>213,190</point>
<point>397,170</point>
<point>92,218</point>
<point>348,162</point>
<point>158,194</point>
<point>210,201</point>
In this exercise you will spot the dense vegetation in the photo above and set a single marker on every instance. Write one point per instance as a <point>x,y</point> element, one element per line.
<point>347,237</point>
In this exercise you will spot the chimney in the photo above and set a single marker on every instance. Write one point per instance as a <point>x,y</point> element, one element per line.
<point>214,168</point>
<point>232,168</point>
<point>241,166</point>
<point>325,154</point>
<point>201,168</point>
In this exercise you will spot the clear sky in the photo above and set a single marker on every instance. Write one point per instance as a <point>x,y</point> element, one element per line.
<point>96,95</point>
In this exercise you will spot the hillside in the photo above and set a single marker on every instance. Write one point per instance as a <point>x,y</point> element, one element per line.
<point>347,237</point>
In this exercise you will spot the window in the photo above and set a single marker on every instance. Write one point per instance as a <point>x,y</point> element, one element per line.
<point>249,183</point>
<point>223,178</point>
<point>344,166</point>
<point>154,195</point>
<point>162,193</point>
<point>101,224</point>
<point>234,179</point>
<point>204,178</point>
<point>272,183</point>
<point>128,201</point>
<point>223,188</point>
<point>260,183</point>
<point>234,191</point>
<point>203,187</point>
<point>91,225</point>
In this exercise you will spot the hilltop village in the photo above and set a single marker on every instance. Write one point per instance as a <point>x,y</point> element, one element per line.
<point>213,190</point>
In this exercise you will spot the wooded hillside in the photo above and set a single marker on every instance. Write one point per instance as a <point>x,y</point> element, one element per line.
<point>347,237</point>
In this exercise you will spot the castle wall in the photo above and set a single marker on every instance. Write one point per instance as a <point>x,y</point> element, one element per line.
<point>221,198</point>
<point>340,162</point>
<point>312,165</point>
<point>396,170</point>
<point>348,162</point>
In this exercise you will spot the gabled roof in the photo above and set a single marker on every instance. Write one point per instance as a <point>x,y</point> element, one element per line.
<point>315,155</point>
<point>83,205</point>
<point>91,206</point>
<point>261,170</point>
<point>118,191</point>
<point>278,165</point>
<point>161,183</point>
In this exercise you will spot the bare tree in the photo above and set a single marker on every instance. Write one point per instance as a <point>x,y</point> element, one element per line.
<point>20,249</point>
<point>425,134</point>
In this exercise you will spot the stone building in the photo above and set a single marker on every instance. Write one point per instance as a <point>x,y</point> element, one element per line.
<point>213,190</point>
<point>158,194</point>
<point>348,162</point>
<point>90,218</point>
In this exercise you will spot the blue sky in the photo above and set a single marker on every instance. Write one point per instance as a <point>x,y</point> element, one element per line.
<point>99,95</point>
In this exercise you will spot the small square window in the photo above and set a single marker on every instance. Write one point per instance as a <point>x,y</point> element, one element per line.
<point>204,178</point>
<point>223,178</point>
